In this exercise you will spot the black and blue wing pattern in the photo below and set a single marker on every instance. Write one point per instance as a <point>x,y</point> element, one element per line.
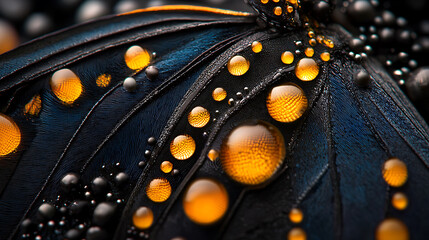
<point>195,123</point>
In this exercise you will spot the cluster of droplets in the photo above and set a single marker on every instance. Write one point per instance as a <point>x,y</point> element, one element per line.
<point>395,174</point>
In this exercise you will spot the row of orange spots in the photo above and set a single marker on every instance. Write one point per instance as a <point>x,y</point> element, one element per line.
<point>296,216</point>
<point>395,174</point>
<point>252,152</point>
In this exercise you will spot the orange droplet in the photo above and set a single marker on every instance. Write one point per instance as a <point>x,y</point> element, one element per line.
<point>238,65</point>
<point>256,47</point>
<point>213,155</point>
<point>166,166</point>
<point>307,69</point>
<point>137,57</point>
<point>143,218</point>
<point>219,94</point>
<point>325,56</point>
<point>158,190</point>
<point>286,103</point>
<point>392,229</point>
<point>287,57</point>
<point>278,11</point>
<point>198,117</point>
<point>296,215</point>
<point>395,172</point>
<point>296,234</point>
<point>66,85</point>
<point>400,201</point>
<point>182,147</point>
<point>10,135</point>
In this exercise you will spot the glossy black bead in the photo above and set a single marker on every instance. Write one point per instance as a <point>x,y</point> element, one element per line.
<point>103,213</point>
<point>79,208</point>
<point>121,178</point>
<point>418,84</point>
<point>96,233</point>
<point>46,211</point>
<point>99,185</point>
<point>361,11</point>
<point>152,72</point>
<point>362,79</point>
<point>69,182</point>
<point>73,234</point>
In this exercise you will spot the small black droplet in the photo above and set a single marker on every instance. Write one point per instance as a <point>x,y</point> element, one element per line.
<point>96,233</point>
<point>99,185</point>
<point>69,182</point>
<point>321,10</point>
<point>27,225</point>
<point>79,208</point>
<point>147,153</point>
<point>46,211</point>
<point>362,79</point>
<point>239,95</point>
<point>418,84</point>
<point>121,178</point>
<point>73,234</point>
<point>175,172</point>
<point>151,141</point>
<point>387,34</point>
<point>152,72</point>
<point>361,11</point>
<point>356,44</point>
<point>142,164</point>
<point>103,213</point>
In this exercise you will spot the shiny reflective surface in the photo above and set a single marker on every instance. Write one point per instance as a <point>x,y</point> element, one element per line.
<point>287,57</point>
<point>10,135</point>
<point>286,103</point>
<point>137,57</point>
<point>143,218</point>
<point>238,65</point>
<point>392,229</point>
<point>307,69</point>
<point>219,94</point>
<point>66,85</point>
<point>158,190</point>
<point>198,117</point>
<point>182,147</point>
<point>395,172</point>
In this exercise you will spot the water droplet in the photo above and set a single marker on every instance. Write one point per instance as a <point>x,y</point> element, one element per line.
<point>307,69</point>
<point>198,117</point>
<point>205,201</point>
<point>252,152</point>
<point>219,94</point>
<point>309,52</point>
<point>34,106</point>
<point>103,80</point>
<point>143,218</point>
<point>66,85</point>
<point>137,58</point>
<point>213,155</point>
<point>287,57</point>
<point>256,47</point>
<point>329,43</point>
<point>278,11</point>
<point>296,234</point>
<point>286,103</point>
<point>395,172</point>
<point>312,42</point>
<point>400,201</point>
<point>166,166</point>
<point>238,65</point>
<point>325,56</point>
<point>264,1</point>
<point>10,135</point>
<point>311,34</point>
<point>296,215</point>
<point>290,9</point>
<point>158,190</point>
<point>182,147</point>
<point>392,229</point>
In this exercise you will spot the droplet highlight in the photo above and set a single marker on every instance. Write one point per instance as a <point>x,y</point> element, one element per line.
<point>205,201</point>
<point>34,106</point>
<point>287,57</point>
<point>307,69</point>
<point>66,85</point>
<point>252,152</point>
<point>392,229</point>
<point>182,147</point>
<point>158,190</point>
<point>137,57</point>
<point>103,80</point>
<point>309,52</point>
<point>143,218</point>
<point>286,103</point>
<point>325,56</point>
<point>400,201</point>
<point>10,135</point>
<point>238,65</point>
<point>198,117</point>
<point>219,94</point>
<point>278,11</point>
<point>395,172</point>
<point>166,166</point>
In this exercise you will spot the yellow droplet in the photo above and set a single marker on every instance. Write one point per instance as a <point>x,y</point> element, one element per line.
<point>400,201</point>
<point>213,155</point>
<point>158,190</point>
<point>286,103</point>
<point>104,80</point>
<point>143,218</point>
<point>296,234</point>
<point>278,11</point>
<point>252,152</point>
<point>276,1</point>
<point>166,166</point>
<point>205,201</point>
<point>219,94</point>
<point>392,229</point>
<point>34,106</point>
<point>296,215</point>
<point>309,52</point>
<point>66,85</point>
<point>292,1</point>
<point>256,47</point>
<point>182,147</point>
<point>137,58</point>
<point>238,65</point>
<point>395,172</point>
<point>307,69</point>
<point>325,56</point>
<point>264,1</point>
<point>287,57</point>
<point>311,34</point>
<point>290,9</point>
<point>10,135</point>
<point>198,117</point>
<point>312,42</point>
